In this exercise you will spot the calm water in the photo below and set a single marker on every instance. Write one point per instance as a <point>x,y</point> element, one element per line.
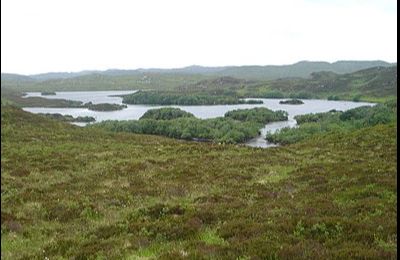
<point>95,97</point>
<point>136,111</point>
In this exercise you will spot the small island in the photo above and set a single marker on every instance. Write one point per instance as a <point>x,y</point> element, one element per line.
<point>165,113</point>
<point>183,99</point>
<point>260,115</point>
<point>254,101</point>
<point>69,118</point>
<point>48,93</point>
<point>84,119</point>
<point>234,127</point>
<point>104,106</point>
<point>291,102</point>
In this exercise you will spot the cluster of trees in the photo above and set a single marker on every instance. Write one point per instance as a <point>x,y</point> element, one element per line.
<point>235,127</point>
<point>251,101</point>
<point>357,98</point>
<point>176,98</point>
<point>312,124</point>
<point>104,106</point>
<point>69,118</point>
<point>291,102</point>
<point>261,115</point>
<point>333,97</point>
<point>369,116</point>
<point>317,117</point>
<point>166,113</point>
<point>48,93</point>
<point>84,119</point>
<point>223,130</point>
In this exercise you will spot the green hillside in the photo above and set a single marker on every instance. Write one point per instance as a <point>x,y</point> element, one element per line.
<point>85,193</point>
<point>375,84</point>
<point>369,84</point>
<point>105,82</point>
<point>175,78</point>
<point>15,77</point>
<point>300,69</point>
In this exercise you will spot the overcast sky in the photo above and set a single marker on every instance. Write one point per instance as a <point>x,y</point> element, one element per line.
<point>72,35</point>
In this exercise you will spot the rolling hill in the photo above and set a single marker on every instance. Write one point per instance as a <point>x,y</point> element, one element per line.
<point>300,80</point>
<point>81,193</point>
<point>300,69</point>
<point>368,84</point>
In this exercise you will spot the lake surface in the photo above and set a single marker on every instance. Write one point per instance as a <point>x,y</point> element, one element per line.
<point>136,111</point>
<point>95,97</point>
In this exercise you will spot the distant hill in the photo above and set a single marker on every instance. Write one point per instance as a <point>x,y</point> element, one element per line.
<point>15,77</point>
<point>301,80</point>
<point>97,81</point>
<point>375,82</point>
<point>300,69</point>
<point>224,85</point>
<point>60,75</point>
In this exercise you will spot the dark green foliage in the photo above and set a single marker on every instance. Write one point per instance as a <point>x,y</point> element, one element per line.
<point>224,130</point>
<point>380,114</point>
<point>357,98</point>
<point>176,98</point>
<point>236,127</point>
<point>261,115</point>
<point>291,102</point>
<point>84,119</point>
<point>317,117</point>
<point>392,104</point>
<point>313,124</point>
<point>355,113</point>
<point>166,113</point>
<point>333,97</point>
<point>69,118</point>
<point>104,106</point>
<point>48,93</point>
<point>253,101</point>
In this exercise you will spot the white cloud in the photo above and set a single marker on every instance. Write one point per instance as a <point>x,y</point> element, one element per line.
<point>71,35</point>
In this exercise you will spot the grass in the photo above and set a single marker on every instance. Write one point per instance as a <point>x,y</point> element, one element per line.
<point>335,121</point>
<point>70,192</point>
<point>211,237</point>
<point>275,174</point>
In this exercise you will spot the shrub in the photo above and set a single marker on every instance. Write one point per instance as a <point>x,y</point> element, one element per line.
<point>166,113</point>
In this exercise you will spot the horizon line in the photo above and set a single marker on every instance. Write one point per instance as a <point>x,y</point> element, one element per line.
<point>196,65</point>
